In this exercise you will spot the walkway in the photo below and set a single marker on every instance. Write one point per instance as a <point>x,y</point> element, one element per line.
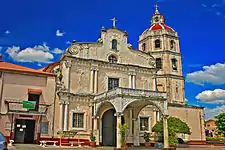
<point>37,147</point>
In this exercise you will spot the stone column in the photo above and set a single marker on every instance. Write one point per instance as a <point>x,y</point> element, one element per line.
<point>134,82</point>
<point>130,81</point>
<point>92,82</point>
<point>158,116</point>
<point>131,121</point>
<point>165,131</point>
<point>154,120</point>
<point>118,136</point>
<point>61,116</point>
<point>66,116</point>
<point>136,132</point>
<point>155,82</point>
<point>96,131</point>
<point>96,82</point>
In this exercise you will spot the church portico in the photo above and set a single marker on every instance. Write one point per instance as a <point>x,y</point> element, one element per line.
<point>127,104</point>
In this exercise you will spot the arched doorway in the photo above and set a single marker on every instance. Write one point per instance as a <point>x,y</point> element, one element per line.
<point>109,128</point>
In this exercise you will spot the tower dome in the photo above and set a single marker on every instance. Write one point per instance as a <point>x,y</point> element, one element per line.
<point>158,22</point>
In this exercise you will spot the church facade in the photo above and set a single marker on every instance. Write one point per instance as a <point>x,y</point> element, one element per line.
<point>107,83</point>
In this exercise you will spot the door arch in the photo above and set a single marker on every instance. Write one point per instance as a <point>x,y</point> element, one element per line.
<point>109,128</point>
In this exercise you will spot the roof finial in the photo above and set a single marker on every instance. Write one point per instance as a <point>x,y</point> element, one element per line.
<point>156,9</point>
<point>114,22</point>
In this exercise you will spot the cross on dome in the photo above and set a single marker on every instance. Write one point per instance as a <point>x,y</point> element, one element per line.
<point>114,22</point>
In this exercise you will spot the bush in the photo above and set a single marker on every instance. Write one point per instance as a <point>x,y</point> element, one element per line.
<point>147,137</point>
<point>92,138</point>
<point>175,126</point>
<point>215,139</point>
<point>123,132</point>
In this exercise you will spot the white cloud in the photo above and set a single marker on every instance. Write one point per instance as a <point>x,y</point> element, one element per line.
<point>38,53</point>
<point>40,65</point>
<point>57,51</point>
<point>214,74</point>
<point>215,5</point>
<point>7,32</point>
<point>29,54</point>
<point>212,97</point>
<point>59,33</point>
<point>204,5</point>
<point>68,42</point>
<point>218,13</point>
<point>210,113</point>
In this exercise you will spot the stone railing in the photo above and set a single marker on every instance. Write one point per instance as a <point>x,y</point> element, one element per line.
<point>130,92</point>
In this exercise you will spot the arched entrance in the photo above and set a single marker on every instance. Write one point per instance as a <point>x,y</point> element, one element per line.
<point>109,128</point>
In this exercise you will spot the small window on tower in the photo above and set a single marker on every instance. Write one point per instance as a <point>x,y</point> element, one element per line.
<point>157,43</point>
<point>114,44</point>
<point>172,45</point>
<point>143,46</point>
<point>174,64</point>
<point>176,89</point>
<point>112,59</point>
<point>158,63</point>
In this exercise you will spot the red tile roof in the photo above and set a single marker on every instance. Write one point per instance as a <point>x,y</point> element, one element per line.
<point>13,67</point>
<point>160,26</point>
<point>50,67</point>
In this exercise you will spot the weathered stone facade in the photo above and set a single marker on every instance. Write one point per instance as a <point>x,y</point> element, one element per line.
<point>110,75</point>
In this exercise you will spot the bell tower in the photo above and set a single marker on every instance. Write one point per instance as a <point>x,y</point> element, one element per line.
<point>162,42</point>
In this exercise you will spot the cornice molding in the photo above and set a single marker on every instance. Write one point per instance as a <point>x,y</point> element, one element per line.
<point>170,76</point>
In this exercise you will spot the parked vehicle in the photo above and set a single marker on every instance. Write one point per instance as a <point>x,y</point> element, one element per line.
<point>3,142</point>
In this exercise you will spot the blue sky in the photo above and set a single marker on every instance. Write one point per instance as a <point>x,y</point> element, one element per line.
<point>35,33</point>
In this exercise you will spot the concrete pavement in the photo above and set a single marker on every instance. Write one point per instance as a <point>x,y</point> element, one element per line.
<point>37,147</point>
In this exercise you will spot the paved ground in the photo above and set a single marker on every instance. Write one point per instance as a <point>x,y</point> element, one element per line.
<point>37,147</point>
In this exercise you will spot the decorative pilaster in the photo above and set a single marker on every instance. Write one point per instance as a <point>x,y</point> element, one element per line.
<point>165,131</point>
<point>96,82</point>
<point>92,81</point>
<point>68,65</point>
<point>130,81</point>
<point>118,136</point>
<point>61,116</point>
<point>155,81</point>
<point>66,116</point>
<point>134,82</point>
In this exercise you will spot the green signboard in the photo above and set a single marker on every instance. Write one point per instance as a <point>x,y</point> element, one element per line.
<point>29,104</point>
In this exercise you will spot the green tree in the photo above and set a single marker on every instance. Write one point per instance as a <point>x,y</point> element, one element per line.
<point>175,126</point>
<point>220,123</point>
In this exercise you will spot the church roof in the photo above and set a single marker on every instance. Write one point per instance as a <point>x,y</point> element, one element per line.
<point>158,22</point>
<point>13,67</point>
<point>160,26</point>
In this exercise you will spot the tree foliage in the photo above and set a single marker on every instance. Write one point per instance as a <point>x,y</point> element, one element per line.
<point>220,123</point>
<point>175,126</point>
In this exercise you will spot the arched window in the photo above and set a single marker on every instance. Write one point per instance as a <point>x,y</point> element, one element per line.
<point>157,43</point>
<point>114,44</point>
<point>174,64</point>
<point>143,46</point>
<point>172,45</point>
<point>112,59</point>
<point>158,63</point>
